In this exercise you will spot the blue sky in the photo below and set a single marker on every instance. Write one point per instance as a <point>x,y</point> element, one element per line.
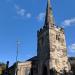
<point>20,20</point>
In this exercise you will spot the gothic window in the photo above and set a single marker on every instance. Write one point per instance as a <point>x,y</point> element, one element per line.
<point>58,37</point>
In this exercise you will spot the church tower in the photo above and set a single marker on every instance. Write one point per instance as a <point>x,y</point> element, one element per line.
<point>51,51</point>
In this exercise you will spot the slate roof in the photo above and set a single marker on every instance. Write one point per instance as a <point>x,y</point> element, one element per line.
<point>35,58</point>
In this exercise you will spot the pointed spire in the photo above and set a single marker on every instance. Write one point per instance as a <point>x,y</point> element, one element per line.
<point>49,16</point>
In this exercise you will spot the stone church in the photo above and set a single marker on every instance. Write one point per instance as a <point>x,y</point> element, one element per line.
<point>51,56</point>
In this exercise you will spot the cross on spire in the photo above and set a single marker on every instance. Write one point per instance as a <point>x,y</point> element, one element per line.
<point>49,16</point>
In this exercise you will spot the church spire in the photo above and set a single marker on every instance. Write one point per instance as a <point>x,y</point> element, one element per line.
<point>49,16</point>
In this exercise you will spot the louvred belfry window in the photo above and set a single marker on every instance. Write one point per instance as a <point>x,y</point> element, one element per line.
<point>58,37</point>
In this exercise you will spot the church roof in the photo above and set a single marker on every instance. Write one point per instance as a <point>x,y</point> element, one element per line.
<point>35,58</point>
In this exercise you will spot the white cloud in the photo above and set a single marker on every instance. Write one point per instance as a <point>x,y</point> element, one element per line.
<point>28,15</point>
<point>68,22</point>
<point>41,16</point>
<point>71,50</point>
<point>22,12</point>
<point>72,47</point>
